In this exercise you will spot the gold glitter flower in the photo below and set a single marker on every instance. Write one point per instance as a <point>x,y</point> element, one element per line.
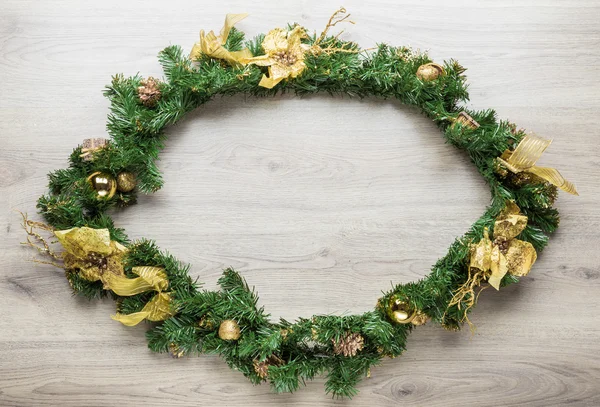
<point>284,55</point>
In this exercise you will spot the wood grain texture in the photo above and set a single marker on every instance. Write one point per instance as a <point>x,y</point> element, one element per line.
<point>319,202</point>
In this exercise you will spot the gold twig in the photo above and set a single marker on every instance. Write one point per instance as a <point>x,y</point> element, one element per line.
<point>48,262</point>
<point>468,289</point>
<point>339,16</point>
<point>333,20</point>
<point>44,248</point>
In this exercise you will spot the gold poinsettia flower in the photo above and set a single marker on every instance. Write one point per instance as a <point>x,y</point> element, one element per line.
<point>284,55</point>
<point>93,253</point>
<point>506,253</point>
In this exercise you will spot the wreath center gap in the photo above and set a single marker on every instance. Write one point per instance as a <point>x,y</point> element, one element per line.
<point>328,194</point>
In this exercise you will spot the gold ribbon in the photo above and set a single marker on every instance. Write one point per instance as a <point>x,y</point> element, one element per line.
<point>149,278</point>
<point>212,45</point>
<point>505,254</point>
<point>92,252</point>
<point>157,309</point>
<point>525,156</point>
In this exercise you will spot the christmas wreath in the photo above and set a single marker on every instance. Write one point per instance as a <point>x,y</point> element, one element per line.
<point>151,285</point>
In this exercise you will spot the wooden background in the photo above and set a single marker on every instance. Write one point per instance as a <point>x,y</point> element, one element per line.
<point>319,202</point>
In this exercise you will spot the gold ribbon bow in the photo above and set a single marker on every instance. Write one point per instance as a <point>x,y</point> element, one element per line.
<point>212,45</point>
<point>505,254</point>
<point>92,252</point>
<point>525,156</point>
<point>149,278</point>
<point>99,259</point>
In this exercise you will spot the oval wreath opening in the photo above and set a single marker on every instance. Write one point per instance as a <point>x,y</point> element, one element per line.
<point>317,219</point>
<point>151,285</point>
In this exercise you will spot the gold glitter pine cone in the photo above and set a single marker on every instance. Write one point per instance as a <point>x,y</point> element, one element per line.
<point>149,91</point>
<point>262,367</point>
<point>348,345</point>
<point>90,146</point>
<point>175,351</point>
<point>466,121</point>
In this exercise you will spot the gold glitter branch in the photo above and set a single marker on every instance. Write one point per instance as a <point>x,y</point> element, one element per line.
<point>468,290</point>
<point>42,246</point>
<point>339,16</point>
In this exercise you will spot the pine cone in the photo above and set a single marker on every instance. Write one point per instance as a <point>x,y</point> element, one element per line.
<point>348,345</point>
<point>149,91</point>
<point>175,351</point>
<point>262,368</point>
<point>91,145</point>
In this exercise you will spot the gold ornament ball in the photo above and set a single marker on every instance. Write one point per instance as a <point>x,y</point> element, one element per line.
<point>229,330</point>
<point>104,184</point>
<point>126,181</point>
<point>430,71</point>
<point>399,311</point>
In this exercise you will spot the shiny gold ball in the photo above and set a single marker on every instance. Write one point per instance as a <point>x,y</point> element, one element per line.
<point>400,312</point>
<point>104,184</point>
<point>429,72</point>
<point>229,330</point>
<point>126,181</point>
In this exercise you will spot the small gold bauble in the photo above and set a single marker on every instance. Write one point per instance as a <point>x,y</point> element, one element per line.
<point>229,330</point>
<point>420,318</point>
<point>104,184</point>
<point>430,71</point>
<point>126,181</point>
<point>399,311</point>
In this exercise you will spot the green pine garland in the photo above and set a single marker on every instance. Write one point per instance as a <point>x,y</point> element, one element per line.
<point>305,348</point>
